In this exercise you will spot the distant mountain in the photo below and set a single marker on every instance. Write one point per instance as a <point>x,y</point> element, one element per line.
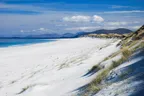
<point>68,35</point>
<point>71,35</point>
<point>117,31</point>
<point>45,36</point>
<point>104,31</point>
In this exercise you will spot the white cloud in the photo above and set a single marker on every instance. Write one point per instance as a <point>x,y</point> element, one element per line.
<point>59,25</point>
<point>21,31</point>
<point>97,18</point>
<point>119,6</point>
<point>42,29</point>
<point>136,22</point>
<point>135,27</point>
<point>117,23</point>
<point>78,18</point>
<point>82,18</point>
<point>90,28</point>
<point>24,31</point>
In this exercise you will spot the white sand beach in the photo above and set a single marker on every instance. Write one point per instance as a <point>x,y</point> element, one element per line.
<point>51,69</point>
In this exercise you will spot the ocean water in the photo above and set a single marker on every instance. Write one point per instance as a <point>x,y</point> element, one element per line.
<point>17,42</point>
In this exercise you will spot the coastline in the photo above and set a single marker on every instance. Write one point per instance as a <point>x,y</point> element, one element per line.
<point>22,42</point>
<point>42,69</point>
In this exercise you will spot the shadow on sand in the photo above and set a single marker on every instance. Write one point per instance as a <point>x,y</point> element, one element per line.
<point>137,72</point>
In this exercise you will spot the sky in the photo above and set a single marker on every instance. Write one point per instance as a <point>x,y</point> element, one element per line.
<point>33,17</point>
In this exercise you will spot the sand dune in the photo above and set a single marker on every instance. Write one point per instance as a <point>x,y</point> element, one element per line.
<point>51,69</point>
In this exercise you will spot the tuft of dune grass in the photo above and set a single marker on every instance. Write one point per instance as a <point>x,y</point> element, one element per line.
<point>126,52</point>
<point>96,85</point>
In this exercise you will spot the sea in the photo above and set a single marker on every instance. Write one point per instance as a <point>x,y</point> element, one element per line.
<point>19,42</point>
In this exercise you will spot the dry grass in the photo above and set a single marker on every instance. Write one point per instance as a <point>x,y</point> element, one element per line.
<point>96,67</point>
<point>24,89</point>
<point>126,51</point>
<point>140,46</point>
<point>96,85</point>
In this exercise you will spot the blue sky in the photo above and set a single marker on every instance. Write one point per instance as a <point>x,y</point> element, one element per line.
<point>28,17</point>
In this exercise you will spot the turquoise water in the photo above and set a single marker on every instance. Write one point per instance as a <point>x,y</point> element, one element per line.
<point>14,42</point>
